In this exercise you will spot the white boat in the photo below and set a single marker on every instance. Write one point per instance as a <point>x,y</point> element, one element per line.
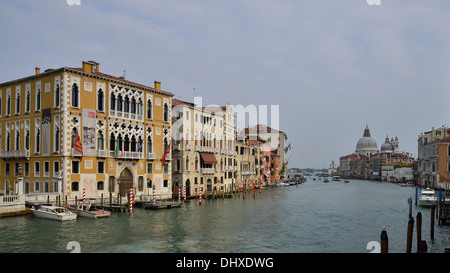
<point>53,213</point>
<point>336,178</point>
<point>90,211</point>
<point>427,198</point>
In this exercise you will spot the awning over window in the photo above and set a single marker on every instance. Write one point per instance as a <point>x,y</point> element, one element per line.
<point>208,158</point>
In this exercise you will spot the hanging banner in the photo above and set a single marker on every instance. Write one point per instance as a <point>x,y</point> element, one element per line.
<point>89,124</point>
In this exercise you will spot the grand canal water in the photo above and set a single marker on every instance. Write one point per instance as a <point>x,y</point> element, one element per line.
<point>314,217</point>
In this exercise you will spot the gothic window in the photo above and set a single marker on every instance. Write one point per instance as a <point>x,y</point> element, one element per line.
<point>112,142</point>
<point>166,112</point>
<point>127,105</point>
<point>37,142</point>
<point>38,99</point>
<point>8,141</point>
<point>119,103</point>
<point>75,95</point>
<point>17,100</point>
<point>73,136</point>
<point>100,141</point>
<point>27,139</point>
<point>100,100</point>
<point>113,102</point>
<point>149,109</point>
<point>149,145</point>
<point>57,96</point>
<point>17,138</point>
<point>57,136</point>
<point>27,102</point>
<point>133,106</point>
<point>8,104</point>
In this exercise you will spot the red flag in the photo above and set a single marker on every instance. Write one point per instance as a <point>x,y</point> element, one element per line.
<point>77,145</point>
<point>165,153</point>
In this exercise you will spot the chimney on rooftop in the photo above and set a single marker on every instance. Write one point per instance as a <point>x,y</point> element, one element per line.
<point>38,70</point>
<point>91,66</point>
<point>157,85</point>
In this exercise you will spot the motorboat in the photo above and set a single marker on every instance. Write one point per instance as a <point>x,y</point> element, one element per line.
<point>427,198</point>
<point>336,178</point>
<point>53,213</point>
<point>347,181</point>
<point>90,211</point>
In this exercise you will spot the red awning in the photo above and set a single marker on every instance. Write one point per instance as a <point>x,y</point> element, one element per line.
<point>208,158</point>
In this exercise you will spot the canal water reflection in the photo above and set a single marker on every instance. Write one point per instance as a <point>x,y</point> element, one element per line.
<point>314,217</point>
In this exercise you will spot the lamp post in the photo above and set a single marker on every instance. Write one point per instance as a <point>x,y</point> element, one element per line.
<point>19,189</point>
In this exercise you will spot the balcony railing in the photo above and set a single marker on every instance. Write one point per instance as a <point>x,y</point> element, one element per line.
<point>207,170</point>
<point>126,155</point>
<point>15,154</point>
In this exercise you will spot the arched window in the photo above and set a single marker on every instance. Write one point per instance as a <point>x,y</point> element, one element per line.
<point>127,105</point>
<point>133,106</point>
<point>100,100</point>
<point>166,112</point>
<point>187,163</point>
<point>38,100</point>
<point>149,109</point>
<point>178,168</point>
<point>73,136</point>
<point>100,141</point>
<point>112,142</point>
<point>119,103</point>
<point>75,95</point>
<point>57,96</point>
<point>113,102</point>
<point>27,102</point>
<point>149,144</point>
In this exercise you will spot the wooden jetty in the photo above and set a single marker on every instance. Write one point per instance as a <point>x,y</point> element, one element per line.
<point>160,204</point>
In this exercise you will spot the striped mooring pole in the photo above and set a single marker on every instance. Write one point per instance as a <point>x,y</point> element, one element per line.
<point>200,198</point>
<point>184,193</point>
<point>179,195</point>
<point>154,198</point>
<point>131,200</point>
<point>84,195</point>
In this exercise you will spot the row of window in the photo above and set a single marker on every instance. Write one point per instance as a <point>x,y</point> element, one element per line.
<point>37,169</point>
<point>56,168</point>
<point>18,98</point>
<point>12,131</point>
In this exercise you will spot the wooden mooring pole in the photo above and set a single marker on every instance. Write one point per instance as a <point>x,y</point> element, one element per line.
<point>384,241</point>
<point>419,229</point>
<point>409,235</point>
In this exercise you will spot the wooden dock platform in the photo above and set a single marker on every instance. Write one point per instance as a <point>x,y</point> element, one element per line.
<point>158,204</point>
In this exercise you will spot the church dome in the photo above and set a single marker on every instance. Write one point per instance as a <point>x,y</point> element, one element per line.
<point>366,145</point>
<point>387,146</point>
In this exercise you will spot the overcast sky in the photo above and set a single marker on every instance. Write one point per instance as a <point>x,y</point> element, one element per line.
<point>331,66</point>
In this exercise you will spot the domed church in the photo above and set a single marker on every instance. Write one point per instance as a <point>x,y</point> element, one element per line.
<point>366,145</point>
<point>390,146</point>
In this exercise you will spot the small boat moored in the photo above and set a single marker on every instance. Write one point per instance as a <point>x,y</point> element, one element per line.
<point>53,213</point>
<point>427,198</point>
<point>90,211</point>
